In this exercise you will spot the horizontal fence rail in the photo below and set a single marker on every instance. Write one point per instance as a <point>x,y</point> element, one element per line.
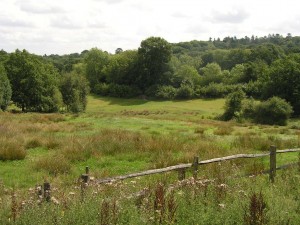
<point>182,167</point>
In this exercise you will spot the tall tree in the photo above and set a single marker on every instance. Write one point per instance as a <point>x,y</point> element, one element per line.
<point>96,60</point>
<point>5,89</point>
<point>212,73</point>
<point>284,82</point>
<point>74,88</point>
<point>121,68</point>
<point>34,82</point>
<point>154,54</point>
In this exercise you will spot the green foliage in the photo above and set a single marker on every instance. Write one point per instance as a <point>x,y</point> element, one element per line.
<point>74,89</point>
<point>186,75</point>
<point>233,105</point>
<point>154,54</point>
<point>96,60</point>
<point>185,91</point>
<point>5,89</point>
<point>117,90</point>
<point>214,90</point>
<point>102,89</point>
<point>123,91</point>
<point>34,82</point>
<point>166,92</point>
<point>212,73</point>
<point>249,107</point>
<point>284,82</point>
<point>121,68</point>
<point>267,52</point>
<point>273,111</point>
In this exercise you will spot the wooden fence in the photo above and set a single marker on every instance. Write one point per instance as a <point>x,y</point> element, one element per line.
<point>181,168</point>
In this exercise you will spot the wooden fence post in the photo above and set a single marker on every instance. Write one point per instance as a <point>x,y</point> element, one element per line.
<point>85,177</point>
<point>181,174</point>
<point>47,194</point>
<point>272,163</point>
<point>195,167</point>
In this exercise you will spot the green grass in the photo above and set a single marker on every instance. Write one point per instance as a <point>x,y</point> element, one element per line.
<point>118,136</point>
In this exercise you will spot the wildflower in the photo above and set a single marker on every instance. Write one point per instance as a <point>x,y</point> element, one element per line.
<point>222,206</point>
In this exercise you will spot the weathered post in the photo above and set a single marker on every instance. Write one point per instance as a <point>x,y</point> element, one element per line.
<point>181,174</point>
<point>195,167</point>
<point>47,189</point>
<point>272,163</point>
<point>85,177</point>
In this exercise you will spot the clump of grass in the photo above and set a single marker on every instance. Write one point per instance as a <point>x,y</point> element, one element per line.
<point>52,142</point>
<point>251,142</point>
<point>223,130</point>
<point>77,150</point>
<point>11,149</point>
<point>200,130</point>
<point>54,165</point>
<point>33,143</point>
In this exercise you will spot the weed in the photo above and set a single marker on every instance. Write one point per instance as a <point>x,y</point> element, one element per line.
<point>256,213</point>
<point>109,213</point>
<point>159,203</point>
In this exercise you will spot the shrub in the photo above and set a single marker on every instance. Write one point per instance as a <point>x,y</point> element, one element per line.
<point>212,90</point>
<point>185,91</point>
<point>273,111</point>
<point>215,90</point>
<point>249,108</point>
<point>117,90</point>
<point>102,89</point>
<point>123,91</point>
<point>233,105</point>
<point>166,92</point>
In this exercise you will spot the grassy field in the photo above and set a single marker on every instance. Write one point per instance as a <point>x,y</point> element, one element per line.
<point>120,136</point>
<point>117,136</point>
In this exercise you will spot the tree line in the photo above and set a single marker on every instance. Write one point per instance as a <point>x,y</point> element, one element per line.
<point>35,85</point>
<point>260,67</point>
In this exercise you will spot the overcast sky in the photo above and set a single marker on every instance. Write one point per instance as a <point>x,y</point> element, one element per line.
<point>67,26</point>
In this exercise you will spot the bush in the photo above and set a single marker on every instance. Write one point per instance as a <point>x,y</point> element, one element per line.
<point>102,89</point>
<point>273,111</point>
<point>123,91</point>
<point>185,91</point>
<point>117,90</point>
<point>233,105</point>
<point>214,90</point>
<point>249,108</point>
<point>166,92</point>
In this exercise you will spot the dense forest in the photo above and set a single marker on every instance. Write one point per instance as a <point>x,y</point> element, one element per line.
<point>250,67</point>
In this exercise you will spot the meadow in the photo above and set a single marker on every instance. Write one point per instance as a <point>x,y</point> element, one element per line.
<point>120,136</point>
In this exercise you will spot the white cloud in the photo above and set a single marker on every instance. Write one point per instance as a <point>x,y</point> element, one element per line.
<point>65,26</point>
<point>40,7</point>
<point>232,16</point>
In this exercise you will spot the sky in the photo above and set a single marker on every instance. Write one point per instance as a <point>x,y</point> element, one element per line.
<point>69,26</point>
